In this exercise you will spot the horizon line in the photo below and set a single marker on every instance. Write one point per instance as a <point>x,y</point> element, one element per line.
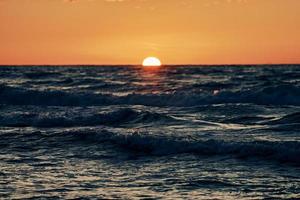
<point>137,65</point>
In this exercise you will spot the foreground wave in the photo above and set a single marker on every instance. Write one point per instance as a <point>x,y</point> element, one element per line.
<point>162,145</point>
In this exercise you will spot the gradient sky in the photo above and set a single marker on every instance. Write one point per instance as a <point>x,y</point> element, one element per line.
<point>126,31</point>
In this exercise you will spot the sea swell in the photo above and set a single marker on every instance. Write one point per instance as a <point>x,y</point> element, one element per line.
<point>272,95</point>
<point>287,152</point>
<point>146,144</point>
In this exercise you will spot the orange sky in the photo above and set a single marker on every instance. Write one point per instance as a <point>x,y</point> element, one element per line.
<point>126,31</point>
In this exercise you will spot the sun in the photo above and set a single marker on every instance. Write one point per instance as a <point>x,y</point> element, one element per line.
<point>151,62</point>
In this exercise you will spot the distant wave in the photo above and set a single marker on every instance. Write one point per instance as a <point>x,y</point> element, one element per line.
<point>40,74</point>
<point>284,94</point>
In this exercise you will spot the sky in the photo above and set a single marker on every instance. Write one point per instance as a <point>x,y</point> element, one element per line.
<point>127,31</point>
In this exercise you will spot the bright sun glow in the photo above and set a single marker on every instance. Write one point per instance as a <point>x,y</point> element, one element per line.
<point>151,62</point>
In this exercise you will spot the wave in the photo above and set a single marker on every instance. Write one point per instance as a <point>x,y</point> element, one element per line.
<point>273,95</point>
<point>247,120</point>
<point>293,118</point>
<point>52,120</point>
<point>161,145</point>
<point>288,119</point>
<point>41,74</point>
<point>164,145</point>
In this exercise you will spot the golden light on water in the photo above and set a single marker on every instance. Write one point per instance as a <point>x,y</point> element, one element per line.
<point>151,62</point>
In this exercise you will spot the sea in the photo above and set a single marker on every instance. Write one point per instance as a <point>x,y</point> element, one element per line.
<point>133,132</point>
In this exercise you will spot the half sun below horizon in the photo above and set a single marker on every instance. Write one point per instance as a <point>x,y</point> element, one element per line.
<point>151,62</point>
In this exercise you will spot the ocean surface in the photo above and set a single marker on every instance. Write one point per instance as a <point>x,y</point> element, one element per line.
<point>128,132</point>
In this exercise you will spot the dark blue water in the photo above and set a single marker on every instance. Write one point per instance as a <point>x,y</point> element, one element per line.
<point>228,132</point>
